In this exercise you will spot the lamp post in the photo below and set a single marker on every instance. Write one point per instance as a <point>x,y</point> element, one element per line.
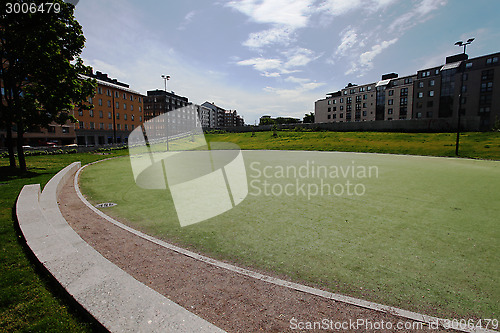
<point>461,43</point>
<point>165,79</point>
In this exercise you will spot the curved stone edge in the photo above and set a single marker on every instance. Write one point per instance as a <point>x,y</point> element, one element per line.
<point>276,281</point>
<point>114,298</point>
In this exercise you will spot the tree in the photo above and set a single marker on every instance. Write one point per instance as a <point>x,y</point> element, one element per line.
<point>41,70</point>
<point>309,118</point>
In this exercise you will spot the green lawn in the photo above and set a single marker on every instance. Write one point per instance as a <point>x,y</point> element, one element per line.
<point>473,145</point>
<point>28,301</point>
<point>424,236</point>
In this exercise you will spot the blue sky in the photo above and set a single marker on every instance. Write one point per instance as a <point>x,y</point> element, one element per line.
<point>276,57</point>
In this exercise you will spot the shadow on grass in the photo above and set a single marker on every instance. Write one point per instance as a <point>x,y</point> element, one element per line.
<point>7,173</point>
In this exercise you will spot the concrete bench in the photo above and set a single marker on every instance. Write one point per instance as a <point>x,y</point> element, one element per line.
<point>114,298</point>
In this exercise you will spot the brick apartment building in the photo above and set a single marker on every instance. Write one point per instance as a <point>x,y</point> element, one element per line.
<point>117,111</point>
<point>219,117</point>
<point>431,93</point>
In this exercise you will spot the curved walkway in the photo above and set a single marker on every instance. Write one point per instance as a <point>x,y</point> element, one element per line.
<point>114,298</point>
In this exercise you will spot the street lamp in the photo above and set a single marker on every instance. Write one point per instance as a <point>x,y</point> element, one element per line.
<point>165,79</point>
<point>461,43</point>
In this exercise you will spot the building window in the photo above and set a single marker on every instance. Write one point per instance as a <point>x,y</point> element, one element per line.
<point>131,108</point>
<point>420,94</point>
<point>65,129</point>
<point>364,105</point>
<point>99,90</point>
<point>124,96</point>
<point>429,114</point>
<point>131,98</point>
<point>139,100</point>
<point>486,86</point>
<point>408,80</point>
<point>118,126</point>
<point>117,94</point>
<point>132,117</point>
<point>110,126</point>
<point>419,114</point>
<point>334,116</point>
<point>431,83</point>
<point>341,108</point>
<point>91,112</point>
<point>403,101</point>
<point>487,75</point>
<point>358,98</point>
<point>329,109</point>
<point>431,93</point>
<point>389,111</point>
<point>90,100</point>
<point>420,84</point>
<point>140,109</point>
<point>124,106</point>
<point>361,89</point>
<point>334,108</point>
<point>108,92</point>
<point>125,116</point>
<point>101,125</point>
<point>334,101</point>
<point>390,102</point>
<point>484,109</point>
<point>109,115</point>
<point>92,125</point>
<point>490,61</point>
<point>365,96</point>
<point>51,129</point>
<point>329,116</point>
<point>329,102</point>
<point>117,116</point>
<point>468,65</point>
<point>109,103</point>
<point>404,92</point>
<point>368,88</point>
<point>100,114</point>
<point>80,113</point>
<point>133,126</point>
<point>140,118</point>
<point>465,76</point>
<point>81,124</point>
<point>364,113</point>
<point>341,115</point>
<point>126,127</point>
<point>117,106</point>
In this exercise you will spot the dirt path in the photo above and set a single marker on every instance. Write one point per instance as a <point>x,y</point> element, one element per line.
<point>231,301</point>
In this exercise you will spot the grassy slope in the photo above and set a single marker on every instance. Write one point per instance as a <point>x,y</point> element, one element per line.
<point>27,301</point>
<point>424,237</point>
<point>472,145</point>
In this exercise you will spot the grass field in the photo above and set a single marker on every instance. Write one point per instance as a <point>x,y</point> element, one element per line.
<point>473,145</point>
<point>27,302</point>
<point>424,236</point>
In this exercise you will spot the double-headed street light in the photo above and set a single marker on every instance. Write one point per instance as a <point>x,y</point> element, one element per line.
<point>165,78</point>
<point>461,43</point>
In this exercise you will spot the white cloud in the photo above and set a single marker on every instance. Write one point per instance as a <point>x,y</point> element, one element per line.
<point>294,14</point>
<point>365,61</point>
<point>187,19</point>
<point>277,35</point>
<point>261,64</point>
<point>419,13</point>
<point>349,39</point>
<point>298,57</point>
<point>339,7</point>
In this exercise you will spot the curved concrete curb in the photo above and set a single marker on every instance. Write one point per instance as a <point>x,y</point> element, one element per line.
<point>283,283</point>
<point>115,299</point>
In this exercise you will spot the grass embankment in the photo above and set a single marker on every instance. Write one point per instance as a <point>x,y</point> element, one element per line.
<point>27,301</point>
<point>473,145</point>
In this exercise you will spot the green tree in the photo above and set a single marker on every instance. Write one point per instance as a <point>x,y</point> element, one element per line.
<point>41,70</point>
<point>308,118</point>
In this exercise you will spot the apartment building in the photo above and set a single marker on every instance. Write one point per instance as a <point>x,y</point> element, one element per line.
<point>160,101</point>
<point>431,93</point>
<point>117,111</point>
